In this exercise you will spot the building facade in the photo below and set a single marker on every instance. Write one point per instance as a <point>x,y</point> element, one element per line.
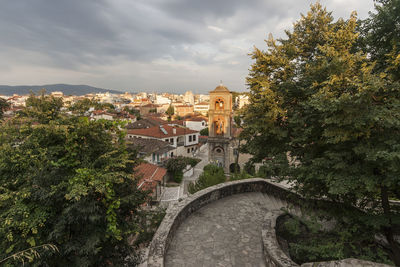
<point>220,128</point>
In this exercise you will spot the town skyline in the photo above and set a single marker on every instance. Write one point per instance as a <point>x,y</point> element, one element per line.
<point>146,46</point>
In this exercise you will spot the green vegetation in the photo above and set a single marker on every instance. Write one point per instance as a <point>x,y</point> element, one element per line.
<point>67,182</point>
<point>211,175</point>
<point>82,106</point>
<point>175,166</point>
<point>170,112</point>
<point>326,112</point>
<point>204,132</point>
<point>3,106</point>
<point>307,242</point>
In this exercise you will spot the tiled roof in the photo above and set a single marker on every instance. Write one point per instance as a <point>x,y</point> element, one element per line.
<point>202,104</point>
<point>157,132</point>
<point>149,174</point>
<point>150,145</point>
<point>198,118</point>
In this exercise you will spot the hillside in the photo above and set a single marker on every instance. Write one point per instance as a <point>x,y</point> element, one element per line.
<point>67,89</point>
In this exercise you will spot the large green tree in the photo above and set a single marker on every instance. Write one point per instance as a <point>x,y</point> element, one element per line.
<point>380,35</point>
<point>3,106</point>
<point>69,182</point>
<point>327,121</point>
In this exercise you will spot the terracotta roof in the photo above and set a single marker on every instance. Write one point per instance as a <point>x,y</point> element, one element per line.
<point>221,88</point>
<point>150,145</point>
<point>197,119</point>
<point>149,174</point>
<point>202,104</point>
<point>156,131</point>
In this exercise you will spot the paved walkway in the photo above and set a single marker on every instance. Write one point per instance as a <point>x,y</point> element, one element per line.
<point>225,233</point>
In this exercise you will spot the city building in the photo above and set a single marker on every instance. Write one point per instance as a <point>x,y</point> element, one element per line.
<point>183,139</point>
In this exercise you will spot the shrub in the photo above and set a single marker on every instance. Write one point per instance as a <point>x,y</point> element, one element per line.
<point>204,132</point>
<point>211,175</point>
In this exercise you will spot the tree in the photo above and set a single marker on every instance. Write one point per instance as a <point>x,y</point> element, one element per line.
<point>42,108</point>
<point>380,34</point>
<point>211,175</point>
<point>204,132</point>
<point>3,106</point>
<point>83,105</point>
<point>329,123</point>
<point>170,112</point>
<point>68,182</point>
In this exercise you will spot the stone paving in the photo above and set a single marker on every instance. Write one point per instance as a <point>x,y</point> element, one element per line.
<point>226,233</point>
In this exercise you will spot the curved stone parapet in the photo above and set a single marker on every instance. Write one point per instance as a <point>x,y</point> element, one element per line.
<point>273,254</point>
<point>181,210</point>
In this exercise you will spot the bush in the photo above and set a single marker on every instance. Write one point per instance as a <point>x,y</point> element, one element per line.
<point>240,176</point>
<point>249,168</point>
<point>204,132</point>
<point>307,242</point>
<point>211,175</point>
<point>175,166</point>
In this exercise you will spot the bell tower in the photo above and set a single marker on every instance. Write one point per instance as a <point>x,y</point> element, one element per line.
<point>219,123</point>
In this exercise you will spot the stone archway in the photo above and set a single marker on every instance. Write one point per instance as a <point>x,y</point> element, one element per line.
<point>219,156</point>
<point>232,168</point>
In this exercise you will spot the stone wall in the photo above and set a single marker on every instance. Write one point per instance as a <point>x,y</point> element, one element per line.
<point>273,254</point>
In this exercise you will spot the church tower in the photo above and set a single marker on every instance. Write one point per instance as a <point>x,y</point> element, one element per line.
<point>219,123</point>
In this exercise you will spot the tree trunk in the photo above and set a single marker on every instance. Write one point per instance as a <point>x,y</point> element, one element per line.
<point>237,159</point>
<point>388,230</point>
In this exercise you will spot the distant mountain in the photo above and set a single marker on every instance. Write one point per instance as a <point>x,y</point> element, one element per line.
<point>67,89</point>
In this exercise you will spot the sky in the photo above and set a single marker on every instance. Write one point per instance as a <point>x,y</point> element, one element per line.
<point>144,45</point>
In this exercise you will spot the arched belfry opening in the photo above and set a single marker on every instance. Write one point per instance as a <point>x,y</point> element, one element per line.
<point>220,117</point>
<point>219,104</point>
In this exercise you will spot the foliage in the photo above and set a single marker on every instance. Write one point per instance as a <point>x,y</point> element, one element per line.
<point>211,175</point>
<point>42,108</point>
<point>133,111</point>
<point>204,132</point>
<point>29,254</point>
<point>240,176</point>
<point>327,120</point>
<point>268,169</point>
<point>250,168</point>
<point>176,165</point>
<point>308,242</point>
<point>380,35</point>
<point>82,106</point>
<point>170,112</point>
<point>69,182</point>
<point>3,106</point>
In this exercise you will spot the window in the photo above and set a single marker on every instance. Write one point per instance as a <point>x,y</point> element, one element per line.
<point>166,140</point>
<point>190,138</point>
<point>188,150</point>
<point>194,138</point>
<point>171,140</point>
<point>192,149</point>
<point>202,124</point>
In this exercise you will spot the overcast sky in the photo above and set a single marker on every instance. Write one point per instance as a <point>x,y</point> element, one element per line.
<point>144,45</point>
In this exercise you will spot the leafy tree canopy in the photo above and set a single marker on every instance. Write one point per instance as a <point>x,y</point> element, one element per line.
<point>3,106</point>
<point>329,123</point>
<point>66,181</point>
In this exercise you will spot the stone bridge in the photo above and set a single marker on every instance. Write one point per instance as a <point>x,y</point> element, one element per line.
<point>230,224</point>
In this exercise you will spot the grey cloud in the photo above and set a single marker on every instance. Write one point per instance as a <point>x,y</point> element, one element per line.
<point>89,35</point>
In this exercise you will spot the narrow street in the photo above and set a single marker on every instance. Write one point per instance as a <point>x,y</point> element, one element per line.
<point>198,169</point>
<point>171,194</point>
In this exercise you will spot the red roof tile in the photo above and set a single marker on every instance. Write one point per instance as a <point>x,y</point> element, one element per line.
<point>158,133</point>
<point>149,174</point>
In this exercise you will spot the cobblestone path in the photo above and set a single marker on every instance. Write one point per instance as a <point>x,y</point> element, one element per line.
<point>226,233</point>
